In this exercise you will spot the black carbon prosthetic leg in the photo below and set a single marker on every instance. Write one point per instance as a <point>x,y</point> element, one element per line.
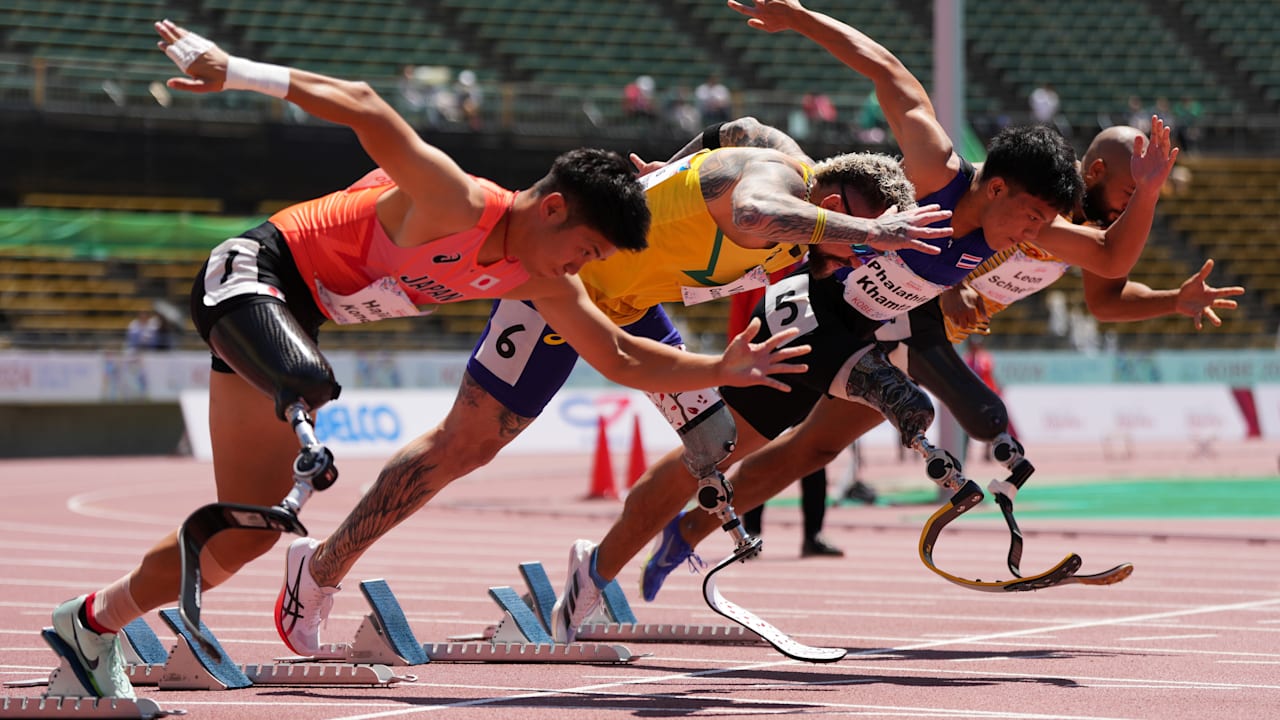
<point>267,347</point>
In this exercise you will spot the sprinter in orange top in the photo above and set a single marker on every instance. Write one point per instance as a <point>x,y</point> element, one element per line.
<point>417,232</point>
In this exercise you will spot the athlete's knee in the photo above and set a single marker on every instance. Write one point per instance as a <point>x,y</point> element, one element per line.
<point>265,345</point>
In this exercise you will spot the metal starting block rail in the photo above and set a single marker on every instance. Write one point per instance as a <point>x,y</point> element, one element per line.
<point>614,621</point>
<point>385,635</point>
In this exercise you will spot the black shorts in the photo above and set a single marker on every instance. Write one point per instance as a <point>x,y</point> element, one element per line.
<point>254,267</point>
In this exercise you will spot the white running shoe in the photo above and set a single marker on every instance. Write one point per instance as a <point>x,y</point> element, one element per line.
<point>303,606</point>
<point>100,664</point>
<point>580,597</point>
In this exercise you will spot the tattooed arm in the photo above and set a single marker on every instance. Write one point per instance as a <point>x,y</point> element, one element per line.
<point>743,132</point>
<point>758,198</point>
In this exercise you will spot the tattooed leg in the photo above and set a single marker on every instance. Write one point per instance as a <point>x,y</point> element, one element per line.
<point>476,429</point>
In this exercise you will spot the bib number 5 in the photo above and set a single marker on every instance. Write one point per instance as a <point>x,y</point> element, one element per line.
<point>786,305</point>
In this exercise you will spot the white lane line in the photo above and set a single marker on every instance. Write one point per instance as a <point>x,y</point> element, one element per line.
<point>1143,638</point>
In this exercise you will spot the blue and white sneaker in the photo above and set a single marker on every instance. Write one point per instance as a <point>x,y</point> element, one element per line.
<point>98,658</point>
<point>669,551</point>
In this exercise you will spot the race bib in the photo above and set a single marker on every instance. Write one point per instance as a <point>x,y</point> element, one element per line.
<point>514,331</point>
<point>233,271</point>
<point>787,305</point>
<point>886,287</point>
<point>381,300</point>
<point>754,278</point>
<point>1018,277</point>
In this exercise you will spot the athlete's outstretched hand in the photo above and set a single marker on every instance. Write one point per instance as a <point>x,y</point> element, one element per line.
<point>902,230</point>
<point>745,363</point>
<point>1153,160</point>
<point>204,63</point>
<point>965,308</point>
<point>768,15</point>
<point>1197,300</point>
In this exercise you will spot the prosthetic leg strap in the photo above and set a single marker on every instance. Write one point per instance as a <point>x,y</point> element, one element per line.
<point>965,499</point>
<point>1106,577</point>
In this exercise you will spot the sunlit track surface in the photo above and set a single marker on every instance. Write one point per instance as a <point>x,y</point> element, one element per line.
<point>1194,633</point>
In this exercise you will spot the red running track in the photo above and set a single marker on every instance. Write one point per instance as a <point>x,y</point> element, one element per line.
<point>1193,634</point>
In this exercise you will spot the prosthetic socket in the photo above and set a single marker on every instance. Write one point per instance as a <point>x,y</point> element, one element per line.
<point>876,381</point>
<point>264,344</point>
<point>708,434</point>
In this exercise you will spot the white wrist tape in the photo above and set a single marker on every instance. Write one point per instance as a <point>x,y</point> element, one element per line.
<point>187,49</point>
<point>259,77</point>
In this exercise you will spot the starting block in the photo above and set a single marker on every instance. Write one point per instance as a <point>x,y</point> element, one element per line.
<point>614,620</point>
<point>68,695</point>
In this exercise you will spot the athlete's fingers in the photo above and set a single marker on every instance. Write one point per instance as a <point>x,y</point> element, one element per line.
<point>921,246</point>
<point>774,341</point>
<point>1213,317</point>
<point>1205,269</point>
<point>1226,292</point>
<point>789,353</point>
<point>981,308</point>
<point>189,84</point>
<point>1221,304</point>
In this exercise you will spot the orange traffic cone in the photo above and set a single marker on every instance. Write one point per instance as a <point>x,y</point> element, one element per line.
<point>637,464</point>
<point>602,487</point>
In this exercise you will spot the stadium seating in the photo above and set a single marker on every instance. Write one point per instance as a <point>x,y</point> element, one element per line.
<point>537,59</point>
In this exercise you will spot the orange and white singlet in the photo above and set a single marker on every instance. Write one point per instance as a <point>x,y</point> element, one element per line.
<point>357,274</point>
<point>688,257</point>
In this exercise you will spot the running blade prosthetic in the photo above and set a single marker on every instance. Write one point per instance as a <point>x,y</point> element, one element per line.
<point>196,532</point>
<point>968,496</point>
<point>1004,499</point>
<point>782,642</point>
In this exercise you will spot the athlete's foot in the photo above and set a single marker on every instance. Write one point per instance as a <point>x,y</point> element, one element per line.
<point>303,605</point>
<point>96,657</point>
<point>669,551</point>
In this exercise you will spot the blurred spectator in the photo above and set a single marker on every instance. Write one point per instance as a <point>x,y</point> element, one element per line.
<point>1138,116</point>
<point>682,113</point>
<point>714,100</point>
<point>1044,104</point>
<point>469,99</point>
<point>638,99</point>
<point>423,94</point>
<point>1046,108</point>
<point>148,331</point>
<point>873,129</point>
<point>820,112</point>
<point>1186,115</point>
